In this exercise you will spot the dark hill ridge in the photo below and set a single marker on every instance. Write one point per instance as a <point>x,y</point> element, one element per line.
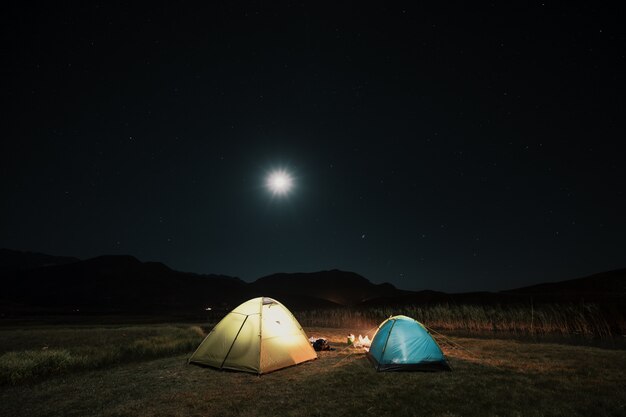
<point>611,284</point>
<point>339,287</point>
<point>39,283</point>
<point>117,284</point>
<point>12,260</point>
<point>604,287</point>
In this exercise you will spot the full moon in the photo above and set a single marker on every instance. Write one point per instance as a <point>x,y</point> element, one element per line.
<point>279,182</point>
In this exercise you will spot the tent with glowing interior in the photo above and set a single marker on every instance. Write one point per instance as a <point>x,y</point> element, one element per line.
<point>259,336</point>
<point>403,344</point>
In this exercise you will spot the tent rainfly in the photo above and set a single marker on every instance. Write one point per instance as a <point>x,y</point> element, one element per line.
<point>259,336</point>
<point>403,344</point>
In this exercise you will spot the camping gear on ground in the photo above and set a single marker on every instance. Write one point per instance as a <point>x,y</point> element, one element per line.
<point>363,342</point>
<point>321,344</point>
<point>403,344</point>
<point>259,336</point>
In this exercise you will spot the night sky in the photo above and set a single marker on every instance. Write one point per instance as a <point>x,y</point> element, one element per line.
<point>453,149</point>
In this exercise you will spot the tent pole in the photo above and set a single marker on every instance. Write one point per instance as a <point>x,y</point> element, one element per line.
<point>233,344</point>
<point>260,336</point>
<point>382,355</point>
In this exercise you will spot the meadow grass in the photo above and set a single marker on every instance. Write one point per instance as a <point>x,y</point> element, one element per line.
<point>490,377</point>
<point>34,353</point>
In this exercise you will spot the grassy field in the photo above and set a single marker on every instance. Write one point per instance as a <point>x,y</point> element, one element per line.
<point>491,377</point>
<point>32,353</point>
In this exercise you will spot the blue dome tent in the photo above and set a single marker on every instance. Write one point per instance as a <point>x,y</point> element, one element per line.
<point>403,344</point>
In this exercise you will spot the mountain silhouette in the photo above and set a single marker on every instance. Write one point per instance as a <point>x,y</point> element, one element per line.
<point>37,283</point>
<point>116,284</point>
<point>601,286</point>
<point>339,287</point>
<point>12,260</point>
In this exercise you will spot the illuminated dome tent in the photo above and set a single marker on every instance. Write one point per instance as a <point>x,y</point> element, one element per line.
<point>259,336</point>
<point>403,344</point>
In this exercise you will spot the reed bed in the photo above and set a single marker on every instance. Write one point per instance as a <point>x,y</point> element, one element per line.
<point>586,320</point>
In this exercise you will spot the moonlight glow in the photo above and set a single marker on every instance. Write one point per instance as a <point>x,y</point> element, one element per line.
<point>279,182</point>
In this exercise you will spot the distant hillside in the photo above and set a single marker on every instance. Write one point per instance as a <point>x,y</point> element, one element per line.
<point>37,283</point>
<point>12,260</point>
<point>602,286</point>
<point>605,287</point>
<point>40,283</point>
<point>116,284</point>
<point>339,287</point>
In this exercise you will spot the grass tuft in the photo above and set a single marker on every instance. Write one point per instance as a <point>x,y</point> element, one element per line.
<point>18,366</point>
